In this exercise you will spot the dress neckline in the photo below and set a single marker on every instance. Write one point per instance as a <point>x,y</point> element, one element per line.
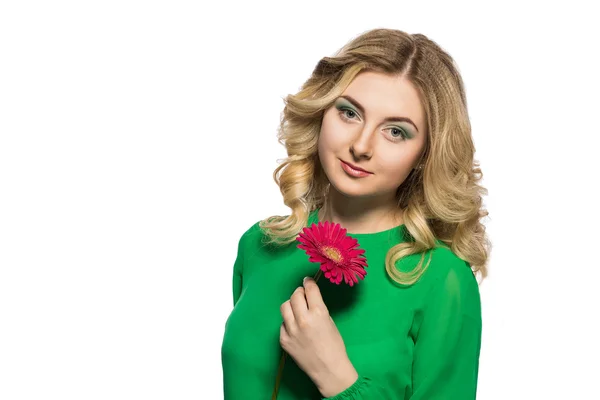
<point>313,218</point>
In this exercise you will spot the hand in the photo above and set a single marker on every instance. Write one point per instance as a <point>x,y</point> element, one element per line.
<point>309,335</point>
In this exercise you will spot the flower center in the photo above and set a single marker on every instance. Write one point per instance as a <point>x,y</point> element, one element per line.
<point>332,253</point>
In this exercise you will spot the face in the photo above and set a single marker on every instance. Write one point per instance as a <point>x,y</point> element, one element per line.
<point>378,125</point>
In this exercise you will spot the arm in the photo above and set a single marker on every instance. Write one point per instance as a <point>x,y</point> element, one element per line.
<point>446,353</point>
<point>447,345</point>
<point>245,250</point>
<point>237,271</point>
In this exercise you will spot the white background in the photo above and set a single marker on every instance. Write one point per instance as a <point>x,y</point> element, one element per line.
<point>138,143</point>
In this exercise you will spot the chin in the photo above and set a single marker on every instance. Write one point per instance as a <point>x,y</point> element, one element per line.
<point>349,188</point>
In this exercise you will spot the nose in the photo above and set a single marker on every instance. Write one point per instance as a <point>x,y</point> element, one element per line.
<point>362,146</point>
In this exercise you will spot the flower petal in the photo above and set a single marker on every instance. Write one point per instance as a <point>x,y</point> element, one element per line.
<point>338,254</point>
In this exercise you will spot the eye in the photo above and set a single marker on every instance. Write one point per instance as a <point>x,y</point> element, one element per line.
<point>347,114</point>
<point>398,134</point>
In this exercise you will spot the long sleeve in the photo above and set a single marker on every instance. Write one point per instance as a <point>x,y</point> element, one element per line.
<point>447,345</point>
<point>237,270</point>
<point>446,356</point>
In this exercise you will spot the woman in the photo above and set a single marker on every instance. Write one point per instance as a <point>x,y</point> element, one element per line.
<point>378,141</point>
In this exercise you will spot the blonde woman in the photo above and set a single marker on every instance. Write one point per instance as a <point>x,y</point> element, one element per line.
<point>379,141</point>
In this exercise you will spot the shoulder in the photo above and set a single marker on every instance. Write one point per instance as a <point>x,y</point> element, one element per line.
<point>251,237</point>
<point>254,240</point>
<point>449,266</point>
<point>441,261</point>
<point>447,280</point>
<point>453,280</point>
<point>253,230</point>
<point>447,262</point>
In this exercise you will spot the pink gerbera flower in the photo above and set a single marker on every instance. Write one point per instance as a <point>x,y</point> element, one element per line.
<point>327,243</point>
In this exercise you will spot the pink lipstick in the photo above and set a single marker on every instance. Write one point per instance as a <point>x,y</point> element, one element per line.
<point>355,171</point>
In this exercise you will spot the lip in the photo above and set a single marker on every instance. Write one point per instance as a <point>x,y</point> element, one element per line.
<point>354,171</point>
<point>355,167</point>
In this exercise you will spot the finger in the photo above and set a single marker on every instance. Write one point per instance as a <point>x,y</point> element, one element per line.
<point>299,305</point>
<point>288,316</point>
<point>283,333</point>
<point>313,294</point>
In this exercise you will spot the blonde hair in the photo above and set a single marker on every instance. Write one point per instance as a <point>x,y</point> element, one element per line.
<point>440,202</point>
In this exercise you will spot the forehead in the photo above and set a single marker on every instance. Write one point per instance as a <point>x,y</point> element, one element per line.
<point>385,95</point>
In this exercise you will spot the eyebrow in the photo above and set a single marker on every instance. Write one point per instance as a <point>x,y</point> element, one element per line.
<point>387,119</point>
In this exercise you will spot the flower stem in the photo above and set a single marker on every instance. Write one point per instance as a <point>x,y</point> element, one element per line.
<point>318,274</point>
<point>284,354</point>
<point>279,372</point>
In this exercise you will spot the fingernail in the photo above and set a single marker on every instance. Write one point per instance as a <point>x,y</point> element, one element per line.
<point>304,280</point>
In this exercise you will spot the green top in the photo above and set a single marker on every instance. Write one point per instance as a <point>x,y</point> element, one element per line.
<point>406,342</point>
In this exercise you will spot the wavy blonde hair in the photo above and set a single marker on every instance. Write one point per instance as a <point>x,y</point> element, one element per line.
<point>440,202</point>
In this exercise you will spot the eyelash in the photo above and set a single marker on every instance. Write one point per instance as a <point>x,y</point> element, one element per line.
<point>403,136</point>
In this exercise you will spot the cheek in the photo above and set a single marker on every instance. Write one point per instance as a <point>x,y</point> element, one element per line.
<point>395,167</point>
<point>330,139</point>
<point>327,156</point>
<point>323,149</point>
<point>322,145</point>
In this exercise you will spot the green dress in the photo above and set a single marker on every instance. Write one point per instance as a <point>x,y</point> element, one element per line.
<point>418,342</point>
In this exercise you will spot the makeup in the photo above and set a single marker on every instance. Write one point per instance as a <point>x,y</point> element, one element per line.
<point>343,105</point>
<point>354,172</point>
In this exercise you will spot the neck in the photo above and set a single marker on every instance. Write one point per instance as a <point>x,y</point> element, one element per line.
<point>361,215</point>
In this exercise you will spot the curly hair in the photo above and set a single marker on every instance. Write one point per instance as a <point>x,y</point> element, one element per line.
<point>442,202</point>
